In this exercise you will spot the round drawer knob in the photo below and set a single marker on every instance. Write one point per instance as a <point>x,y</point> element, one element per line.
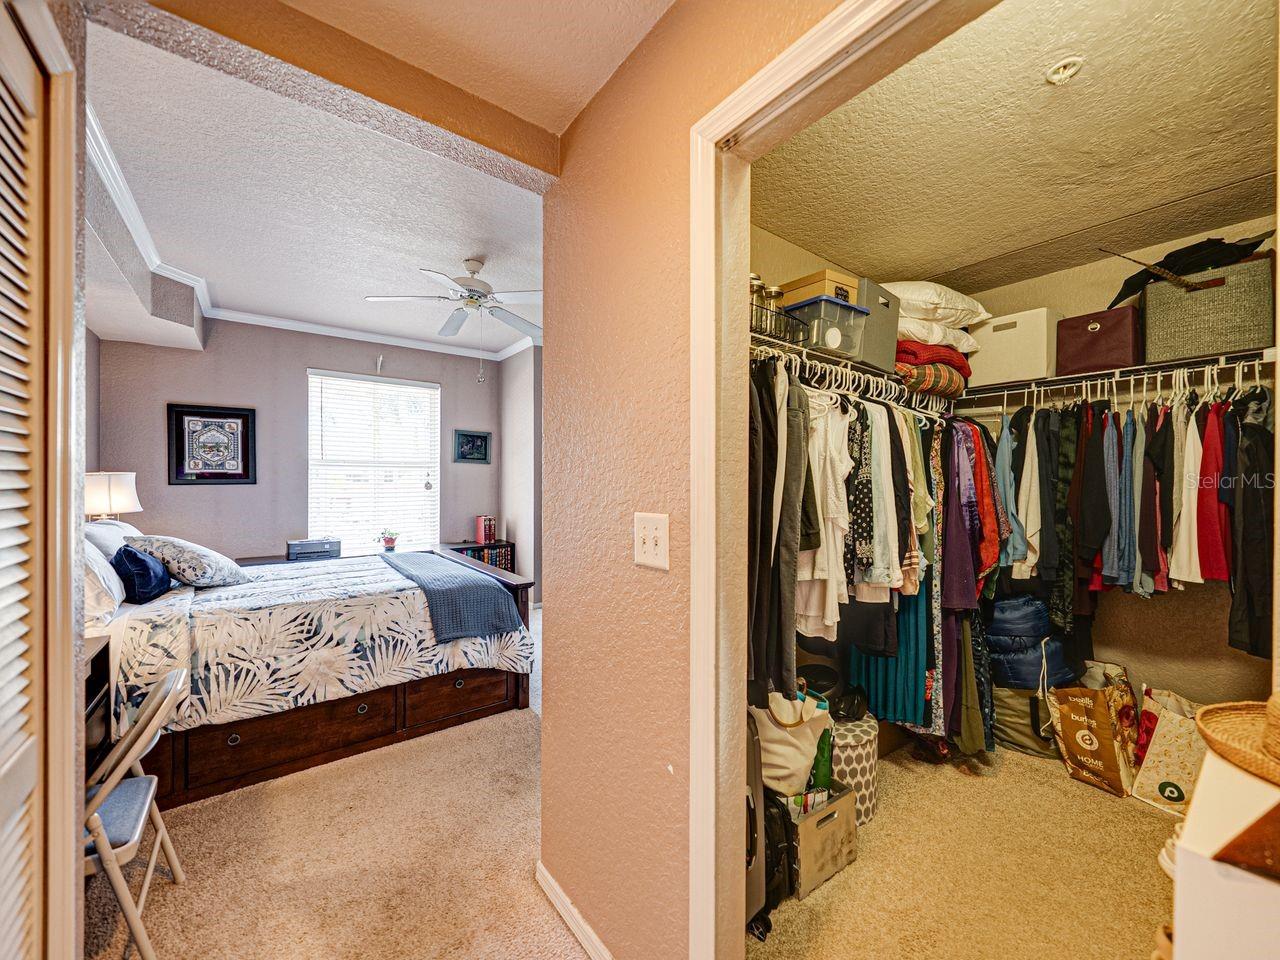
<point>363,708</point>
<point>459,683</point>
<point>233,740</point>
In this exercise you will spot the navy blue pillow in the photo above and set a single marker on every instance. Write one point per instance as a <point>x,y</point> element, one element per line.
<point>145,577</point>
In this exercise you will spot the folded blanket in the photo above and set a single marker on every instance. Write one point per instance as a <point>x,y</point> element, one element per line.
<point>460,601</point>
<point>916,354</point>
<point>935,378</point>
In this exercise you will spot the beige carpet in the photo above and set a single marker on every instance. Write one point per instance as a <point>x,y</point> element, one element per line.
<point>422,850</point>
<point>1013,861</point>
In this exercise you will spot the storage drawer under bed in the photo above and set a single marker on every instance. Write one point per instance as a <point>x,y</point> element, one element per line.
<point>450,694</point>
<point>233,749</point>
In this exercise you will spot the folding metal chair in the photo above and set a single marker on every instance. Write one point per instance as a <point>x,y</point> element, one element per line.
<point>118,806</point>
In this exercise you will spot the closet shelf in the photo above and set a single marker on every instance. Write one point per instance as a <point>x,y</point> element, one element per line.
<point>1248,357</point>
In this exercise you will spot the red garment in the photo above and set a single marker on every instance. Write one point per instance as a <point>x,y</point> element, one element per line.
<point>989,546</point>
<point>1212,519</point>
<point>916,354</point>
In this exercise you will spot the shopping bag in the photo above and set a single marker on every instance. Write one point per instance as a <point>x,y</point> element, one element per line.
<point>1096,726</point>
<point>1173,754</point>
<point>789,732</point>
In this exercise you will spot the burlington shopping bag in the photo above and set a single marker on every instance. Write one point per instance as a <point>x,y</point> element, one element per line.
<point>1096,726</point>
<point>789,733</point>
<point>1173,752</point>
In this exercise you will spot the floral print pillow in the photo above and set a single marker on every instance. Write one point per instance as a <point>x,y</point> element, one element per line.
<point>191,563</point>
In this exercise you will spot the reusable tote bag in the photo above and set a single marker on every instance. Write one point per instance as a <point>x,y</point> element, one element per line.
<point>1173,754</point>
<point>789,732</point>
<point>1096,726</point>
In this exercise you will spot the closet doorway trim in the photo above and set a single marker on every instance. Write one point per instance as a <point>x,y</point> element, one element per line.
<point>825,67</point>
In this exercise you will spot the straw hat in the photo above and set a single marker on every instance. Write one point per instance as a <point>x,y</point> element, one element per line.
<point>1247,734</point>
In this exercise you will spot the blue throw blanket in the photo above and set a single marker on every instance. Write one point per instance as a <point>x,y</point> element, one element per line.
<point>462,602</point>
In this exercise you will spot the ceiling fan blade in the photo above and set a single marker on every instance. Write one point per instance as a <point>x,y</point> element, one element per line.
<point>517,323</point>
<point>405,298</point>
<point>519,296</point>
<point>455,322</point>
<point>444,280</point>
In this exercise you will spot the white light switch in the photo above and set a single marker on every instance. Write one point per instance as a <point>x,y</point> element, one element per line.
<point>652,549</point>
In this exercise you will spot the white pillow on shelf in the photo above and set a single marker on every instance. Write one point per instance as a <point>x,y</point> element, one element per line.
<point>926,300</point>
<point>928,331</point>
<point>191,563</point>
<point>108,535</point>
<point>103,588</point>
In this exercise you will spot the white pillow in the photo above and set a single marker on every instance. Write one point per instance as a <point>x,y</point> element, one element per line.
<point>103,588</point>
<point>925,300</point>
<point>108,535</point>
<point>927,331</point>
<point>191,563</point>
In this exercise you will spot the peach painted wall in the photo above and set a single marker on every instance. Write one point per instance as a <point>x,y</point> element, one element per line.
<point>615,741</point>
<point>294,37</point>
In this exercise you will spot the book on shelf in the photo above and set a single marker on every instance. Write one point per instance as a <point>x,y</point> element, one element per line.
<point>486,529</point>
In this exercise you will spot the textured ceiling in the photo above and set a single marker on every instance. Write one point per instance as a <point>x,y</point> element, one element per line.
<point>966,166</point>
<point>292,212</point>
<point>542,61</point>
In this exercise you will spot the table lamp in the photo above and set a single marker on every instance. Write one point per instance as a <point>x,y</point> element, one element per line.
<point>107,495</point>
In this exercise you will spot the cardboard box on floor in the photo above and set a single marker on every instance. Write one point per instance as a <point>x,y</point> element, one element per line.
<point>826,840</point>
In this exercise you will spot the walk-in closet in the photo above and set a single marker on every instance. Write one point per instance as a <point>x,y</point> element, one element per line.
<point>1010,495</point>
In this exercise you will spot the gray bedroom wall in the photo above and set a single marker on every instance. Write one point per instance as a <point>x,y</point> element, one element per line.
<point>92,399</point>
<point>266,368</point>
<point>521,475</point>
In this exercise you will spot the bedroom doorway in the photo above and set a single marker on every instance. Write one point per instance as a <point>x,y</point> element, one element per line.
<point>857,46</point>
<point>313,378</point>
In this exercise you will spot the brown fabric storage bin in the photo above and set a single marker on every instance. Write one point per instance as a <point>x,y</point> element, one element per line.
<point>1232,316</point>
<point>1106,340</point>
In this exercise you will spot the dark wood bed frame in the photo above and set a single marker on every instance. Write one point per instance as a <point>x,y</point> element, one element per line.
<point>209,760</point>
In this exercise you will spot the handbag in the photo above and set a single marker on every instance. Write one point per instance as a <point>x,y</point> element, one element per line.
<point>789,732</point>
<point>1107,340</point>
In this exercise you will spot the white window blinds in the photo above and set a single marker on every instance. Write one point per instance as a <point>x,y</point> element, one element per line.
<point>22,382</point>
<point>374,460</point>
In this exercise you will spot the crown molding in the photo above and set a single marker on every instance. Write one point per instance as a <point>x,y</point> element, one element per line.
<point>108,168</point>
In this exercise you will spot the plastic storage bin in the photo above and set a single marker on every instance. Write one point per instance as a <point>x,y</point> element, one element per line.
<point>1017,346</point>
<point>848,330</point>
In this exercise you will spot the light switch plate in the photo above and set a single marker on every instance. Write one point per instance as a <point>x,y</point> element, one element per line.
<point>651,540</point>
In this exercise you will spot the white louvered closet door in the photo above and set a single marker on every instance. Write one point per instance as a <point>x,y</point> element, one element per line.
<point>22,382</point>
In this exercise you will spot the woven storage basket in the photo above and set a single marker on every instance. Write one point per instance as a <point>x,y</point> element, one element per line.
<point>1231,317</point>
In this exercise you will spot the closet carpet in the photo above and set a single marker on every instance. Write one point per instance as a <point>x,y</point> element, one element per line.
<point>424,849</point>
<point>1012,860</point>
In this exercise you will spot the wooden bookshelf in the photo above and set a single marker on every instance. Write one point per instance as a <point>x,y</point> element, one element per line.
<point>497,553</point>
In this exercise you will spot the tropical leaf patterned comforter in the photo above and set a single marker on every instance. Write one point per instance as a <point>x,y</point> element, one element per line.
<point>299,633</point>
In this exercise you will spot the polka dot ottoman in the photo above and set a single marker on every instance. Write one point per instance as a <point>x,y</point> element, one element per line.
<point>855,754</point>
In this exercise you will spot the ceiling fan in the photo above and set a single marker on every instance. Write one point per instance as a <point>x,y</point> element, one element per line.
<point>473,295</point>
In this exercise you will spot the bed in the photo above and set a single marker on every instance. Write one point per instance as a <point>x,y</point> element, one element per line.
<point>306,663</point>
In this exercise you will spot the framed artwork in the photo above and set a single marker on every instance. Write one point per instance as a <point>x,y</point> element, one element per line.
<point>211,444</point>
<point>471,446</point>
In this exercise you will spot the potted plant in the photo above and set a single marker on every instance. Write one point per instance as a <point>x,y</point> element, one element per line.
<point>388,537</point>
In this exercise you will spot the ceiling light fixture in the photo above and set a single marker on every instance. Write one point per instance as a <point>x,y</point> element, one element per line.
<point>1064,69</point>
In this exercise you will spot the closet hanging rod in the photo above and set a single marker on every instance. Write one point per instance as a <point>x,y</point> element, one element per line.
<point>860,378</point>
<point>822,355</point>
<point>1125,373</point>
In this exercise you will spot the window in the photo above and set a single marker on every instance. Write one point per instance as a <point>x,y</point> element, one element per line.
<point>374,460</point>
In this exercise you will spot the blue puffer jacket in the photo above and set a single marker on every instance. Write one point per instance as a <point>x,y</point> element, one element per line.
<point>1020,617</point>
<point>1016,662</point>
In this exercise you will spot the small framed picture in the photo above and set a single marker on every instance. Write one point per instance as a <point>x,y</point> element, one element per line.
<point>211,444</point>
<point>471,446</point>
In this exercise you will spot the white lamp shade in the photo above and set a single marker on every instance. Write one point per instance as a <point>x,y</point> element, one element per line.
<point>110,493</point>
